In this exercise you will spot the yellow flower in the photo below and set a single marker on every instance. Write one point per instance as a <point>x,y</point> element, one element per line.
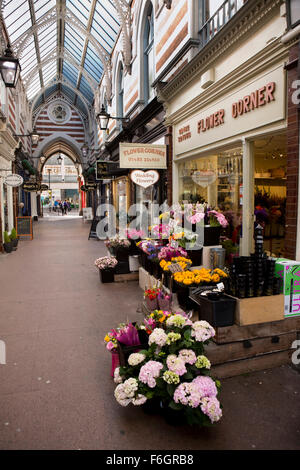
<point>107,338</point>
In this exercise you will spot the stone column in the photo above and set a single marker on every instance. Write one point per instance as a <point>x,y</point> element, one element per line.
<point>34,214</point>
<point>246,243</point>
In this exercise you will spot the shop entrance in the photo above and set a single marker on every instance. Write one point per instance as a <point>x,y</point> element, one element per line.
<point>270,191</point>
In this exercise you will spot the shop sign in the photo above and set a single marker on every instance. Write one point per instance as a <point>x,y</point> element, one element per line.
<point>31,186</point>
<point>44,187</point>
<point>90,186</point>
<point>144,178</point>
<point>204,177</point>
<point>259,103</point>
<point>152,156</point>
<point>13,180</point>
<point>102,170</point>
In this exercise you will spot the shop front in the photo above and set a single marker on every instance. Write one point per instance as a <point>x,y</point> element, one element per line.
<point>231,154</point>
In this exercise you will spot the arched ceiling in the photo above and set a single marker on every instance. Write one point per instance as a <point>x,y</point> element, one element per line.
<point>62,41</point>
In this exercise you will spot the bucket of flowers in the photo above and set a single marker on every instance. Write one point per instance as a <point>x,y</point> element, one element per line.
<point>134,236</point>
<point>123,340</point>
<point>106,266</point>
<point>212,220</point>
<point>172,375</point>
<point>167,267</point>
<point>151,297</point>
<point>118,247</point>
<point>164,300</point>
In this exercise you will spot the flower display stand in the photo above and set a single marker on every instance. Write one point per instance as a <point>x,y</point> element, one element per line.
<point>216,312</point>
<point>212,235</point>
<point>241,349</point>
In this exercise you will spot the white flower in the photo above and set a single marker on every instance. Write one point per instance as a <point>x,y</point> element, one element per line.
<point>117,377</point>
<point>120,396</point>
<point>130,387</point>
<point>158,336</point>
<point>135,359</point>
<point>202,331</point>
<point>139,400</point>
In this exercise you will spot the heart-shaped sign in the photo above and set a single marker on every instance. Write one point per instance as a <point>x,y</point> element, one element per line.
<point>144,178</point>
<point>204,178</point>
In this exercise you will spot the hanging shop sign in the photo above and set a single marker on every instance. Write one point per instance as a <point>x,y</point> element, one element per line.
<point>144,178</point>
<point>204,177</point>
<point>259,103</point>
<point>90,186</point>
<point>31,186</point>
<point>44,187</point>
<point>152,156</point>
<point>102,170</point>
<point>13,180</point>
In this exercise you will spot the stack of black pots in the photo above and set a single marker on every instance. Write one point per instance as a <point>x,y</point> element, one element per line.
<point>254,276</point>
<point>259,258</point>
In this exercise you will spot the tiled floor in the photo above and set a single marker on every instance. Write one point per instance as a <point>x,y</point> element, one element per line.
<point>55,389</point>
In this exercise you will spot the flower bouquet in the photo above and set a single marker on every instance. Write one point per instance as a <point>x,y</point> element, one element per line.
<point>134,236</point>
<point>173,373</point>
<point>127,337</point>
<point>151,297</point>
<point>106,266</point>
<point>168,252</point>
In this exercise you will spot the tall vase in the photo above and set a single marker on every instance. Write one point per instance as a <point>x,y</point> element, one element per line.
<point>151,304</point>
<point>114,362</point>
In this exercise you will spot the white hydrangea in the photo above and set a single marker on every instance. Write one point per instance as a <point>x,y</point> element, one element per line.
<point>118,379</point>
<point>130,387</point>
<point>202,331</point>
<point>136,358</point>
<point>139,400</point>
<point>158,336</point>
<point>121,396</point>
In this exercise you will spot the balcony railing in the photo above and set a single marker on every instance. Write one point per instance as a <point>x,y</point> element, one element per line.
<point>221,17</point>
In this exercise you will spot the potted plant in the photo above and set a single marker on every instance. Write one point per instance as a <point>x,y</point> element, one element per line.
<point>8,245</point>
<point>134,236</point>
<point>172,373</point>
<point>14,238</point>
<point>106,266</point>
<point>119,247</point>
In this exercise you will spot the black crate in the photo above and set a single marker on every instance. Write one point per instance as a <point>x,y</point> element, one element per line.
<point>217,313</point>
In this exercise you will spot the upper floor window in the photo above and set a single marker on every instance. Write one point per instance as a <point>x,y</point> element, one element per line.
<point>293,13</point>
<point>148,42</point>
<point>120,94</point>
<point>214,14</point>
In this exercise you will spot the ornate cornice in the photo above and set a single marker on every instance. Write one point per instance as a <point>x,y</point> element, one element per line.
<point>245,20</point>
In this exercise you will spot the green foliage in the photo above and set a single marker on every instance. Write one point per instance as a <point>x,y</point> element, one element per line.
<point>7,238</point>
<point>13,234</point>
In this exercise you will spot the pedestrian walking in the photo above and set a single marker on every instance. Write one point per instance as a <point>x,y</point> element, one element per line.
<point>65,207</point>
<point>61,206</point>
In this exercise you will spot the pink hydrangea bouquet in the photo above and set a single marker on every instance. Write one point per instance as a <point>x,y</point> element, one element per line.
<point>106,262</point>
<point>173,373</point>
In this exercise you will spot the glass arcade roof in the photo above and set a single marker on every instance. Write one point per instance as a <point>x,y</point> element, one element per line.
<point>62,45</point>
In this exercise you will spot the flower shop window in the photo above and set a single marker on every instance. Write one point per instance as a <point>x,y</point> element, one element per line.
<point>218,181</point>
<point>270,191</point>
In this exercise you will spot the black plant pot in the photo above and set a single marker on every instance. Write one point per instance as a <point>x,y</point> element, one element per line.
<point>133,249</point>
<point>107,275</point>
<point>195,256</point>
<point>15,242</point>
<point>212,235</point>
<point>8,247</point>
<point>122,254</point>
<point>217,312</point>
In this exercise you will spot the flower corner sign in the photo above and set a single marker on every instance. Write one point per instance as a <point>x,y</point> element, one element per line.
<point>13,180</point>
<point>204,178</point>
<point>144,178</point>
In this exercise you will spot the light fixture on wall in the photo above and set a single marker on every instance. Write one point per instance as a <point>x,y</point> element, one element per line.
<point>10,68</point>
<point>103,118</point>
<point>59,159</point>
<point>35,137</point>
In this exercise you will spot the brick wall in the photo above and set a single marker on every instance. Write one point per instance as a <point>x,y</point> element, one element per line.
<point>292,159</point>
